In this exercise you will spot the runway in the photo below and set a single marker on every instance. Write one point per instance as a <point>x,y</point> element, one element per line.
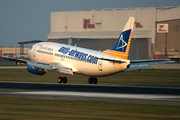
<point>131,94</point>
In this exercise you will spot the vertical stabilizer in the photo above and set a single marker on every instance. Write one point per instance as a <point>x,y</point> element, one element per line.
<point>122,46</point>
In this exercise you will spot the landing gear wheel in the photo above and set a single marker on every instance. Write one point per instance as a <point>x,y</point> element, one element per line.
<point>60,80</point>
<point>95,80</point>
<point>90,80</point>
<point>64,80</point>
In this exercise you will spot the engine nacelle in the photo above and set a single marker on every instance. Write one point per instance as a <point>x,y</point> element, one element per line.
<point>36,70</point>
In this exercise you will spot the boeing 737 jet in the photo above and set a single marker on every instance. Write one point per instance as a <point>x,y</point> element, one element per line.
<point>69,59</point>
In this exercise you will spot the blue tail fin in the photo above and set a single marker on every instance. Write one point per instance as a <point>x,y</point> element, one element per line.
<point>122,46</point>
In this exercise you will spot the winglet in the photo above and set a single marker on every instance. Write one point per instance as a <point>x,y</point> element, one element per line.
<point>17,53</point>
<point>21,55</point>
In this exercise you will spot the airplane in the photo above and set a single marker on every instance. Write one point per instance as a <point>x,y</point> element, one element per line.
<point>67,59</point>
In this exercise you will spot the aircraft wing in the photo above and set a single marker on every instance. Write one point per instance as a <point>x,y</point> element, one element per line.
<point>48,66</point>
<point>16,59</point>
<point>142,64</point>
<point>52,66</point>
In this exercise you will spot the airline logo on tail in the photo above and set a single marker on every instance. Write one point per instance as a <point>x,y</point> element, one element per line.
<point>122,42</point>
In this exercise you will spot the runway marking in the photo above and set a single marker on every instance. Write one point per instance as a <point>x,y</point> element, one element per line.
<point>99,95</point>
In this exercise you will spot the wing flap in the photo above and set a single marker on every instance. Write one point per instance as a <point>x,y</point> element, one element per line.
<point>62,68</point>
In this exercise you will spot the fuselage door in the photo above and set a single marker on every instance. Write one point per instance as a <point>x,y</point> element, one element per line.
<point>100,65</point>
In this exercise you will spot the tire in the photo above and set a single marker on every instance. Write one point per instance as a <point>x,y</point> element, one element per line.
<point>95,80</point>
<point>64,80</point>
<point>90,80</point>
<point>60,80</point>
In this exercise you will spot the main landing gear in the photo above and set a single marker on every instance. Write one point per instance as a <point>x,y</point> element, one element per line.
<point>92,80</point>
<point>62,79</point>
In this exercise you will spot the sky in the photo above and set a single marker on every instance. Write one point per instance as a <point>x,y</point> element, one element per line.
<point>26,20</point>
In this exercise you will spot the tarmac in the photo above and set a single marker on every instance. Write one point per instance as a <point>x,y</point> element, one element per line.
<point>128,94</point>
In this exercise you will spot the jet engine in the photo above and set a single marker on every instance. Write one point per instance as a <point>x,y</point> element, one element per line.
<point>36,70</point>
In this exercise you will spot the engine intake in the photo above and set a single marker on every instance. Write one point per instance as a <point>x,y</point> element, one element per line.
<point>36,70</point>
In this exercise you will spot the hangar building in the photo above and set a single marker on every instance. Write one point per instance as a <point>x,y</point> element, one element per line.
<point>12,51</point>
<point>104,27</point>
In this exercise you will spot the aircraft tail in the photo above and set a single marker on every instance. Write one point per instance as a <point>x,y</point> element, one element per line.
<point>122,46</point>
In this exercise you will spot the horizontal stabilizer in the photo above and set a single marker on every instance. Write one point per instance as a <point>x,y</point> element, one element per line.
<point>152,62</point>
<point>138,66</point>
<point>143,64</point>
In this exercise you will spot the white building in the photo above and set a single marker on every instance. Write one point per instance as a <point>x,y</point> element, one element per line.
<point>104,26</point>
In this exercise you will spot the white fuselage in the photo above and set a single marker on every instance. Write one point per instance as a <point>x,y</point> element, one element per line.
<point>80,60</point>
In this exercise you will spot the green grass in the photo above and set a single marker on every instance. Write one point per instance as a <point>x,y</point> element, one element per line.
<point>149,77</point>
<point>28,109</point>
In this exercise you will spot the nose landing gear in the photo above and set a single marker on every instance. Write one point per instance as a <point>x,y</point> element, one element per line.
<point>92,80</point>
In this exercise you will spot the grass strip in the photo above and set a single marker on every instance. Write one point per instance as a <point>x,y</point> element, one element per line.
<point>28,109</point>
